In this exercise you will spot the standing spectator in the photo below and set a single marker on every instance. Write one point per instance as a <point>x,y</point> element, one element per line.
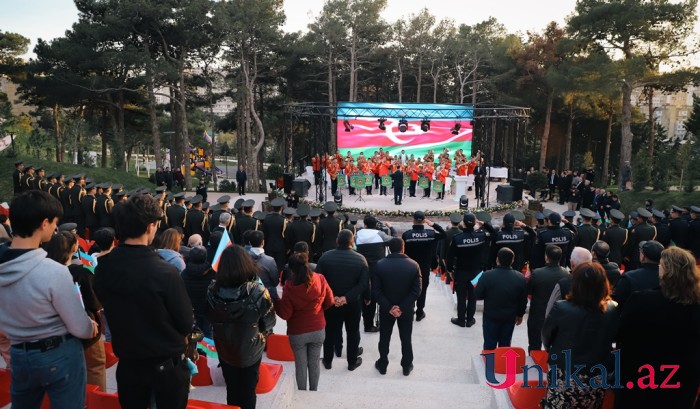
<point>371,243</point>
<point>160,177</point>
<point>540,287</point>
<point>580,330</point>
<point>240,309</point>
<point>169,248</point>
<point>661,327</point>
<point>168,175</point>
<point>179,178</point>
<point>553,180</point>
<point>47,316</point>
<point>579,255</point>
<point>347,274</point>
<point>646,277</point>
<point>564,185</point>
<point>60,249</point>
<point>504,293</point>
<point>396,287</point>
<point>197,276</point>
<point>601,252</point>
<point>241,178</point>
<point>306,295</point>
<point>148,309</point>
<point>202,189</point>
<point>626,176</point>
<point>268,272</point>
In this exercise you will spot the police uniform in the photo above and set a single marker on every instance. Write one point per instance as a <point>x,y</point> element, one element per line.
<point>444,246</point>
<point>586,234</point>
<point>273,229</point>
<point>420,245</point>
<point>679,228</point>
<point>328,228</point>
<point>663,232</point>
<point>90,210</point>
<point>175,214</point>
<point>196,221</point>
<point>245,222</point>
<point>616,236</point>
<point>556,235</point>
<point>300,229</point>
<point>643,231</point>
<point>466,257</point>
<point>516,239</point>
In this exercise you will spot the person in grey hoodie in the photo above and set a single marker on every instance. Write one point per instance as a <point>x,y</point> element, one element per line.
<point>40,312</point>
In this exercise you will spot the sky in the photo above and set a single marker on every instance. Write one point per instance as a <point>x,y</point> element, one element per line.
<point>48,19</point>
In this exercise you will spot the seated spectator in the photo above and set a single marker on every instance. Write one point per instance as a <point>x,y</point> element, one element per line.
<point>580,329</point>
<point>197,275</point>
<point>659,327</point>
<point>169,248</point>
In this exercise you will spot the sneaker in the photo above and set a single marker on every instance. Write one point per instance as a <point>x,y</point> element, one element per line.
<point>357,364</point>
<point>458,322</point>
<point>420,315</point>
<point>380,368</point>
<point>407,370</point>
<point>471,322</point>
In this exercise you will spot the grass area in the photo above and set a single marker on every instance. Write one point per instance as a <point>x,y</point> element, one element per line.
<point>662,200</point>
<point>99,175</point>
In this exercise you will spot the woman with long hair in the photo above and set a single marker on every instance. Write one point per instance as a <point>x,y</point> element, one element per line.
<point>304,298</point>
<point>61,248</point>
<point>584,324</point>
<point>169,248</point>
<point>661,328</point>
<point>241,313</point>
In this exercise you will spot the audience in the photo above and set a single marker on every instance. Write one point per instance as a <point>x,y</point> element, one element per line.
<point>601,253</point>
<point>197,276</point>
<point>169,248</point>
<point>646,277</point>
<point>540,287</point>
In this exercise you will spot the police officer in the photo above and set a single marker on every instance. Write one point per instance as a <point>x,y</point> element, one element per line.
<point>616,236</point>
<point>444,246</point>
<point>420,245</point>
<point>540,227</point>
<point>175,214</point>
<point>17,177</point>
<point>466,257</point>
<point>553,234</point>
<point>663,232</point>
<point>514,235</point>
<point>300,229</point>
<point>586,234</point>
<point>694,231</point>
<point>89,205</point>
<point>245,221</point>
<point>196,221</point>
<point>642,231</point>
<point>678,228</point>
<point>104,206</point>
<point>273,229</point>
<point>328,228</point>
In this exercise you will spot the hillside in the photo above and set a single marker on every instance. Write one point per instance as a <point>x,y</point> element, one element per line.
<point>99,175</point>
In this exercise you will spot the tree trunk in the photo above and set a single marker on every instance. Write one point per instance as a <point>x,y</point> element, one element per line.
<point>419,78</point>
<point>474,87</point>
<point>153,117</point>
<point>545,133</point>
<point>652,123</point>
<point>331,102</point>
<point>626,128</point>
<point>608,142</point>
<point>59,137</point>
<point>400,82</point>
<point>353,61</point>
<point>185,132</point>
<point>569,132</point>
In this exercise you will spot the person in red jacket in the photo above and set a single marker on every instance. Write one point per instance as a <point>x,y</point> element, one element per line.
<point>303,301</point>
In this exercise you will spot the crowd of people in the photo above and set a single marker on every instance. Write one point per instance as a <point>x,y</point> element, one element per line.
<point>592,285</point>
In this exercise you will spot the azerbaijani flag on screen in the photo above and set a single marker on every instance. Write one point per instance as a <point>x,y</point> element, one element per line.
<point>366,136</point>
<point>223,245</point>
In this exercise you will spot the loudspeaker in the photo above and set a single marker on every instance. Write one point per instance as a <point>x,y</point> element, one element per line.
<point>287,178</point>
<point>517,188</point>
<point>301,186</point>
<point>504,193</point>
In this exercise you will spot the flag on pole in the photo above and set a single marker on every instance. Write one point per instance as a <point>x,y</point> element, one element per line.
<point>477,278</point>
<point>207,137</point>
<point>87,260</point>
<point>85,245</point>
<point>223,245</point>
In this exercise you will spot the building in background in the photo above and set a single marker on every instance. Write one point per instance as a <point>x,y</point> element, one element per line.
<point>670,110</point>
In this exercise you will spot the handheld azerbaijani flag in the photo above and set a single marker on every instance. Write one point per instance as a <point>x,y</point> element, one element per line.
<point>223,245</point>
<point>87,260</point>
<point>477,278</point>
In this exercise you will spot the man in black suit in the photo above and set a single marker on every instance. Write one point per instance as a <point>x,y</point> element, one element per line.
<point>396,285</point>
<point>480,181</point>
<point>241,178</point>
<point>397,177</point>
<point>273,229</point>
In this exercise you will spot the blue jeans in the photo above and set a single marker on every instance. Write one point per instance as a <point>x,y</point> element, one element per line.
<point>497,333</point>
<point>59,372</point>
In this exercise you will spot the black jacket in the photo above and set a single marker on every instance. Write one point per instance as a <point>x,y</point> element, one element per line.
<point>327,233</point>
<point>89,205</point>
<point>346,271</point>
<point>646,277</point>
<point>420,245</point>
<point>175,216</point>
<point>145,301</point>
<point>196,222</point>
<point>616,237</point>
<point>516,239</point>
<point>540,286</point>
<point>586,236</point>
<point>240,317</point>
<point>244,223</point>
<point>693,241</point>
<point>504,293</point>
<point>396,281</point>
<point>589,335</point>
<point>556,235</point>
<point>273,228</point>
<point>197,278</point>
<point>612,271</point>
<point>639,233</point>
<point>679,230</point>
<point>468,254</point>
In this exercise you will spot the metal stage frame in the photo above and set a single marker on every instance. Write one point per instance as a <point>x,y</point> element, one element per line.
<point>309,128</point>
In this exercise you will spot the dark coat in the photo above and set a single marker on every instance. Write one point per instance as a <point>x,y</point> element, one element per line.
<point>540,286</point>
<point>396,281</point>
<point>273,228</point>
<point>646,277</point>
<point>197,278</point>
<point>504,293</point>
<point>346,271</point>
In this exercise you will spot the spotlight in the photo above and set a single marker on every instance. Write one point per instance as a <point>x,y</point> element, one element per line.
<point>425,125</point>
<point>403,125</point>
<point>338,198</point>
<point>348,127</point>
<point>455,129</point>
<point>381,124</point>
<point>463,203</point>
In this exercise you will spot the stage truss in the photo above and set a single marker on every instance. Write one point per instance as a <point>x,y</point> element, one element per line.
<point>311,127</point>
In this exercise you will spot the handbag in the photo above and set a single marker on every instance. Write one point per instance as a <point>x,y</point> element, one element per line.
<point>193,339</point>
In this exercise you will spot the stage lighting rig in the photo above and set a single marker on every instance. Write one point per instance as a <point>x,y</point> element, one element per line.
<point>381,123</point>
<point>348,127</point>
<point>455,129</point>
<point>425,125</point>
<point>403,125</point>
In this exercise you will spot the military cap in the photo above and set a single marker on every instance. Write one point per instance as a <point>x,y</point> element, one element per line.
<point>169,197</point>
<point>146,191</point>
<point>39,169</point>
<point>469,219</point>
<point>181,195</point>
<point>651,249</point>
<point>79,176</point>
<point>19,162</point>
<point>90,186</point>
<point>509,219</point>
<point>353,217</point>
<point>106,185</point>
<point>587,213</point>
<point>121,193</point>
<point>289,211</point>
<point>520,216</point>
<point>418,215</point>
<point>315,212</point>
<point>205,205</point>
<point>161,189</point>
<point>117,186</point>
<point>658,214</point>
<point>196,199</point>
<point>617,215</point>
<point>88,180</point>
<point>330,207</point>
<point>238,203</point>
<point>539,216</point>
<point>483,216</point>
<point>277,202</point>
<point>67,227</point>
<point>644,213</point>
<point>569,214</point>
<point>51,176</point>
<point>223,199</point>
<point>258,215</point>
<point>695,209</point>
<point>554,218</point>
<point>677,209</point>
<point>29,167</point>
<point>188,199</point>
<point>546,212</point>
<point>455,217</point>
<point>633,214</point>
<point>247,203</point>
<point>303,210</point>
<point>214,208</point>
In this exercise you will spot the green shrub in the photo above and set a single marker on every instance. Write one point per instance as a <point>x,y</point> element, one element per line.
<point>227,186</point>
<point>641,171</point>
<point>536,181</point>
<point>274,171</point>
